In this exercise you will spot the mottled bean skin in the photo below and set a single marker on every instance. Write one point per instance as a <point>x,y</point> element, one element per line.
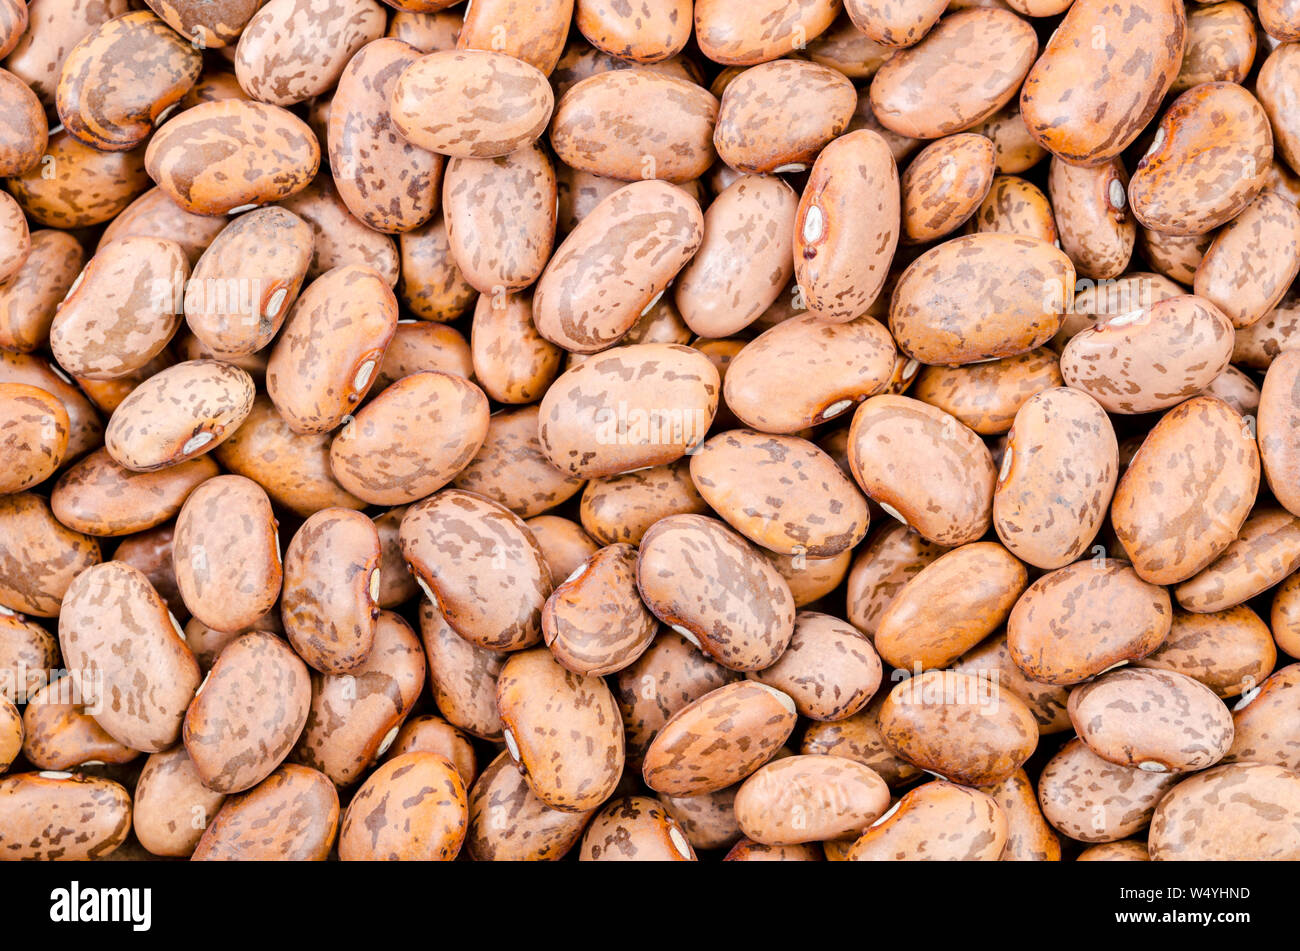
<point>1277,77</point>
<point>512,362</point>
<point>829,669</point>
<point>1086,102</point>
<point>170,801</point>
<point>227,553</point>
<point>745,259</point>
<point>893,555</point>
<point>810,799</point>
<point>964,70</point>
<point>99,497</point>
<point>1220,45</point>
<point>26,132</point>
<point>1222,132</point>
<point>719,739</point>
<point>1230,651</point>
<point>1059,470</point>
<point>1066,628</point>
<point>1242,811</point>
<point>388,454</point>
<point>780,492</point>
<point>942,488</point>
<point>226,154</point>
<point>964,728</point>
<point>76,186</point>
<point>666,126</point>
<point>500,215</point>
<point>938,821</point>
<point>981,296</point>
<point>1029,836</point>
<point>432,286</point>
<point>462,677</point>
<point>893,24</point>
<point>1091,800</point>
<point>807,370</point>
<point>594,621</point>
<point>481,565</point>
<point>413,808</point>
<point>248,713</point>
<point>950,606</point>
<point>121,77</point>
<point>333,339</point>
<point>707,583</point>
<point>1279,408</point>
<point>33,436</point>
<point>1047,702</point>
<point>57,733</point>
<point>1264,730</point>
<point>331,587</point>
<point>340,238</point>
<point>987,396</point>
<point>30,296</point>
<point>777,116</point>
<point>615,264</point>
<point>489,103</point>
<point>61,817</point>
<point>1252,260</point>
<point>628,408</point>
<point>115,628</point>
<point>27,652</point>
<point>123,310</point>
<point>292,50</point>
<point>1015,206</point>
<point>512,469</point>
<point>39,558</point>
<point>213,24</point>
<point>669,675</point>
<point>745,32</point>
<point>847,226</point>
<point>1156,720</point>
<point>507,822</point>
<point>562,728</point>
<point>945,184</point>
<point>531,30</point>
<point>294,469</point>
<point>622,508</point>
<point>292,815</point>
<point>53,29</point>
<point>1265,552</point>
<point>635,829</point>
<point>1202,447</point>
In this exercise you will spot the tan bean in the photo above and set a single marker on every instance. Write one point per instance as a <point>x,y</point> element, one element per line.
<point>292,815</point>
<point>54,816</point>
<point>937,821</point>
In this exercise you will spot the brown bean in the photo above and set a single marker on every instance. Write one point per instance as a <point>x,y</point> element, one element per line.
<point>718,739</point>
<point>463,677</point>
<point>263,256</point>
<point>516,103</point>
<point>479,563</point>
<point>1156,720</point>
<point>1062,629</point>
<point>26,134</point>
<point>964,70</point>
<point>829,669</point>
<point>354,716</point>
<point>507,822</point>
<point>810,799</point>
<point>500,216</point>
<point>542,705</point>
<point>1242,811</point>
<point>707,583</point>
<point>75,186</point>
<point>333,339</point>
<point>413,808</point>
<point>943,488</point>
<point>172,806</point>
<point>1223,131</point>
<point>949,606</point>
<point>841,254</point>
<point>1086,122</point>
<point>432,734</point>
<point>958,726</point>
<point>29,297</point>
<point>54,816</point>
<point>115,628</point>
<point>1202,447</point>
<point>39,558</point>
<point>121,78</point>
<point>248,713</point>
<point>292,815</point>
<point>635,829</point>
<point>744,32</point>
<point>937,821</point>
<point>57,732</point>
<point>34,430</point>
<point>1092,800</point>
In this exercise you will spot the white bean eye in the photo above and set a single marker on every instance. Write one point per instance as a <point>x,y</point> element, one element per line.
<point>363,375</point>
<point>196,442</point>
<point>1118,199</point>
<point>813,225</point>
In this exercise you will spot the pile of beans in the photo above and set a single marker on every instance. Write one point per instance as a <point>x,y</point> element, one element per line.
<point>652,430</point>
